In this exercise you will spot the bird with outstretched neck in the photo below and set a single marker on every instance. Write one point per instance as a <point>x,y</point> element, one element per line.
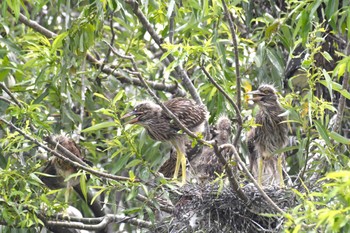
<point>161,127</point>
<point>269,136</point>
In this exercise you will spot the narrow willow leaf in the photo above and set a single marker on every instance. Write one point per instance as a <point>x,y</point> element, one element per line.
<point>339,138</point>
<point>99,126</point>
<point>323,132</point>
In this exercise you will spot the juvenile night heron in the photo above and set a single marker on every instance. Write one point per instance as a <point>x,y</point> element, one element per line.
<point>58,169</point>
<point>269,136</point>
<point>206,165</point>
<point>160,127</point>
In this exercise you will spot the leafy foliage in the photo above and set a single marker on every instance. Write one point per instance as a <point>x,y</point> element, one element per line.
<point>71,79</point>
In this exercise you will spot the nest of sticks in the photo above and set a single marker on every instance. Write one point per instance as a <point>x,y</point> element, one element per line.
<point>209,209</point>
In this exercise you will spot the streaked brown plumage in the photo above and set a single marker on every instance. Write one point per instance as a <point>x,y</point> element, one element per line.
<point>160,127</point>
<point>206,165</point>
<point>269,136</point>
<point>58,169</point>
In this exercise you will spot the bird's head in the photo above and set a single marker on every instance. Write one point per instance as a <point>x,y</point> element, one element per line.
<point>143,113</point>
<point>265,95</point>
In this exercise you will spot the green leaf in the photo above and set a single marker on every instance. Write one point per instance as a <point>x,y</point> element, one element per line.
<point>133,163</point>
<point>97,194</point>
<point>322,131</point>
<point>338,174</point>
<point>133,210</point>
<point>15,5</point>
<point>337,87</point>
<point>99,126</point>
<point>118,97</point>
<point>83,185</point>
<point>339,138</point>
<point>57,43</point>
<point>101,96</point>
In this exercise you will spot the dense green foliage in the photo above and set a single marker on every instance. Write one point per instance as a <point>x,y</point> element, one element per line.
<point>68,79</point>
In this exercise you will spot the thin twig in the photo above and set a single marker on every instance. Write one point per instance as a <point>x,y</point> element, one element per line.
<point>230,100</point>
<point>235,47</point>
<point>246,171</point>
<point>10,94</point>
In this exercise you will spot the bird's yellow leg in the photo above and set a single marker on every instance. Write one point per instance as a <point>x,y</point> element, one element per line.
<point>260,169</point>
<point>183,167</point>
<point>177,166</point>
<point>280,171</point>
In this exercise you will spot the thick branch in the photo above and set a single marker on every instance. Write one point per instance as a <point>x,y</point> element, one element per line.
<point>233,181</point>
<point>94,224</point>
<point>172,88</point>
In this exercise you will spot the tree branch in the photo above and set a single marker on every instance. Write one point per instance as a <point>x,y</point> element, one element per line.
<point>154,96</point>
<point>69,157</point>
<point>342,99</point>
<point>230,100</point>
<point>2,86</point>
<point>172,88</point>
<point>235,47</point>
<point>94,224</point>
<point>186,81</point>
<point>233,181</point>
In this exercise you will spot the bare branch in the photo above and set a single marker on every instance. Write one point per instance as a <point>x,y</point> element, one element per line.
<point>246,171</point>
<point>94,224</point>
<point>230,100</point>
<point>235,47</point>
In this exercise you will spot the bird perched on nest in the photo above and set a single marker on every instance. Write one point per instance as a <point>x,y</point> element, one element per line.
<point>206,165</point>
<point>58,169</point>
<point>269,136</point>
<point>161,127</point>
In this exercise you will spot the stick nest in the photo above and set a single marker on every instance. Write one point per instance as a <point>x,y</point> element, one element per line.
<point>209,209</point>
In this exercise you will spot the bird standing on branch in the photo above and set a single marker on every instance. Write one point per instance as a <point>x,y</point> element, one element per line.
<point>161,127</point>
<point>269,136</point>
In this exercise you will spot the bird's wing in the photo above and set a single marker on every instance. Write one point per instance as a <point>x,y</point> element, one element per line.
<point>188,112</point>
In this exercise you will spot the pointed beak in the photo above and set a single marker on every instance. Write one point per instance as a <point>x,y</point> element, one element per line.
<point>257,95</point>
<point>131,114</point>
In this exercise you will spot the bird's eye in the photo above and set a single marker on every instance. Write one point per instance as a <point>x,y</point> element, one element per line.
<point>266,92</point>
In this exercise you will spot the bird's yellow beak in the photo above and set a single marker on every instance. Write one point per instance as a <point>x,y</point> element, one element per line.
<point>257,95</point>
<point>133,120</point>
